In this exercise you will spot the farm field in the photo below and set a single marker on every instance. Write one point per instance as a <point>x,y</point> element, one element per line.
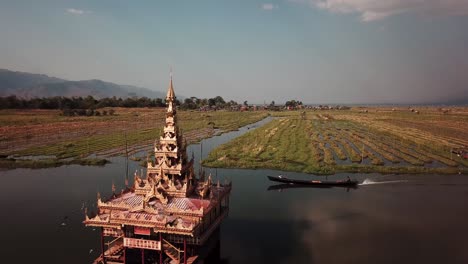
<point>375,139</point>
<point>48,136</point>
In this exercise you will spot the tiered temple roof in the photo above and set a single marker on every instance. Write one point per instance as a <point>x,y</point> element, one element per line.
<point>169,198</point>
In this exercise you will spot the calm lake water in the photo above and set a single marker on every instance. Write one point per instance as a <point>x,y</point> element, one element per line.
<point>390,219</point>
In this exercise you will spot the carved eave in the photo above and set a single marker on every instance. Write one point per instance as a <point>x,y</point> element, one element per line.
<point>171,188</point>
<point>169,121</point>
<point>100,221</point>
<point>181,227</point>
<point>167,230</point>
<point>196,213</point>
<point>136,219</point>
<point>164,154</point>
<point>154,193</point>
<point>167,136</point>
<point>170,128</point>
<point>146,209</point>
<point>173,169</point>
<point>176,169</point>
<point>100,224</point>
<point>167,141</point>
<point>161,152</point>
<point>141,190</point>
<point>189,209</point>
<point>122,206</point>
<point>100,203</point>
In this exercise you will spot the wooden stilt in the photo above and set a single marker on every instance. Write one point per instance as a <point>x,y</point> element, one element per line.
<point>161,251</point>
<point>185,251</point>
<point>124,247</point>
<point>142,256</point>
<point>125,255</point>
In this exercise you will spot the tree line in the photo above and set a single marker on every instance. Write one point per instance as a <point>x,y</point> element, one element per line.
<point>79,105</point>
<point>89,102</point>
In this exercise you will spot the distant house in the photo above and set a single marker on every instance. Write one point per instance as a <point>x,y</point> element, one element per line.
<point>235,107</point>
<point>461,152</point>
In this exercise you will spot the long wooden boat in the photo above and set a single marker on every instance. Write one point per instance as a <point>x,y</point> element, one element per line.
<point>283,186</point>
<point>343,183</point>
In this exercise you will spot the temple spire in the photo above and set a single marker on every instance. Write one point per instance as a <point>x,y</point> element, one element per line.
<point>170,92</point>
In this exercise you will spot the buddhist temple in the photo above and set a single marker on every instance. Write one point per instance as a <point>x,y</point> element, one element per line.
<point>169,215</point>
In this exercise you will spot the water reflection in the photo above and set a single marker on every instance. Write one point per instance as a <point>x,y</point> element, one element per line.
<point>403,219</point>
<point>385,226</point>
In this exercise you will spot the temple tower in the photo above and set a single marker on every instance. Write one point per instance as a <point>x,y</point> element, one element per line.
<point>171,168</point>
<point>170,215</point>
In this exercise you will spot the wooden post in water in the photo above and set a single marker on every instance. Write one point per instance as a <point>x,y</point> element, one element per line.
<point>126,145</point>
<point>102,246</point>
<point>362,153</point>
<point>142,256</point>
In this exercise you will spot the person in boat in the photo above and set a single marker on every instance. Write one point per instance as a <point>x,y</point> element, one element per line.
<point>349,179</point>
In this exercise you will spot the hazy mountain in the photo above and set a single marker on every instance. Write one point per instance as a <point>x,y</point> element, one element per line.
<point>460,101</point>
<point>28,85</point>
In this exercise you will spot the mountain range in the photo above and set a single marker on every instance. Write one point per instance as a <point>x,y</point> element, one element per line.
<point>30,85</point>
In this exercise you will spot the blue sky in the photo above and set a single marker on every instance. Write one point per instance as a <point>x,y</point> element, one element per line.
<point>316,51</point>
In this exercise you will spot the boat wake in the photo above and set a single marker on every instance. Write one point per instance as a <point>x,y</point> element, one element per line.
<point>370,182</point>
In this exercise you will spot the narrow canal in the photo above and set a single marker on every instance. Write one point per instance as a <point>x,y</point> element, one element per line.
<point>388,219</point>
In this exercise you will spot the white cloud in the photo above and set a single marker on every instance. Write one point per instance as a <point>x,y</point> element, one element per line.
<point>76,11</point>
<point>269,6</point>
<point>372,10</point>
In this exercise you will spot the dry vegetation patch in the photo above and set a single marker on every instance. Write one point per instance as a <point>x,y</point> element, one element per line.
<point>47,132</point>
